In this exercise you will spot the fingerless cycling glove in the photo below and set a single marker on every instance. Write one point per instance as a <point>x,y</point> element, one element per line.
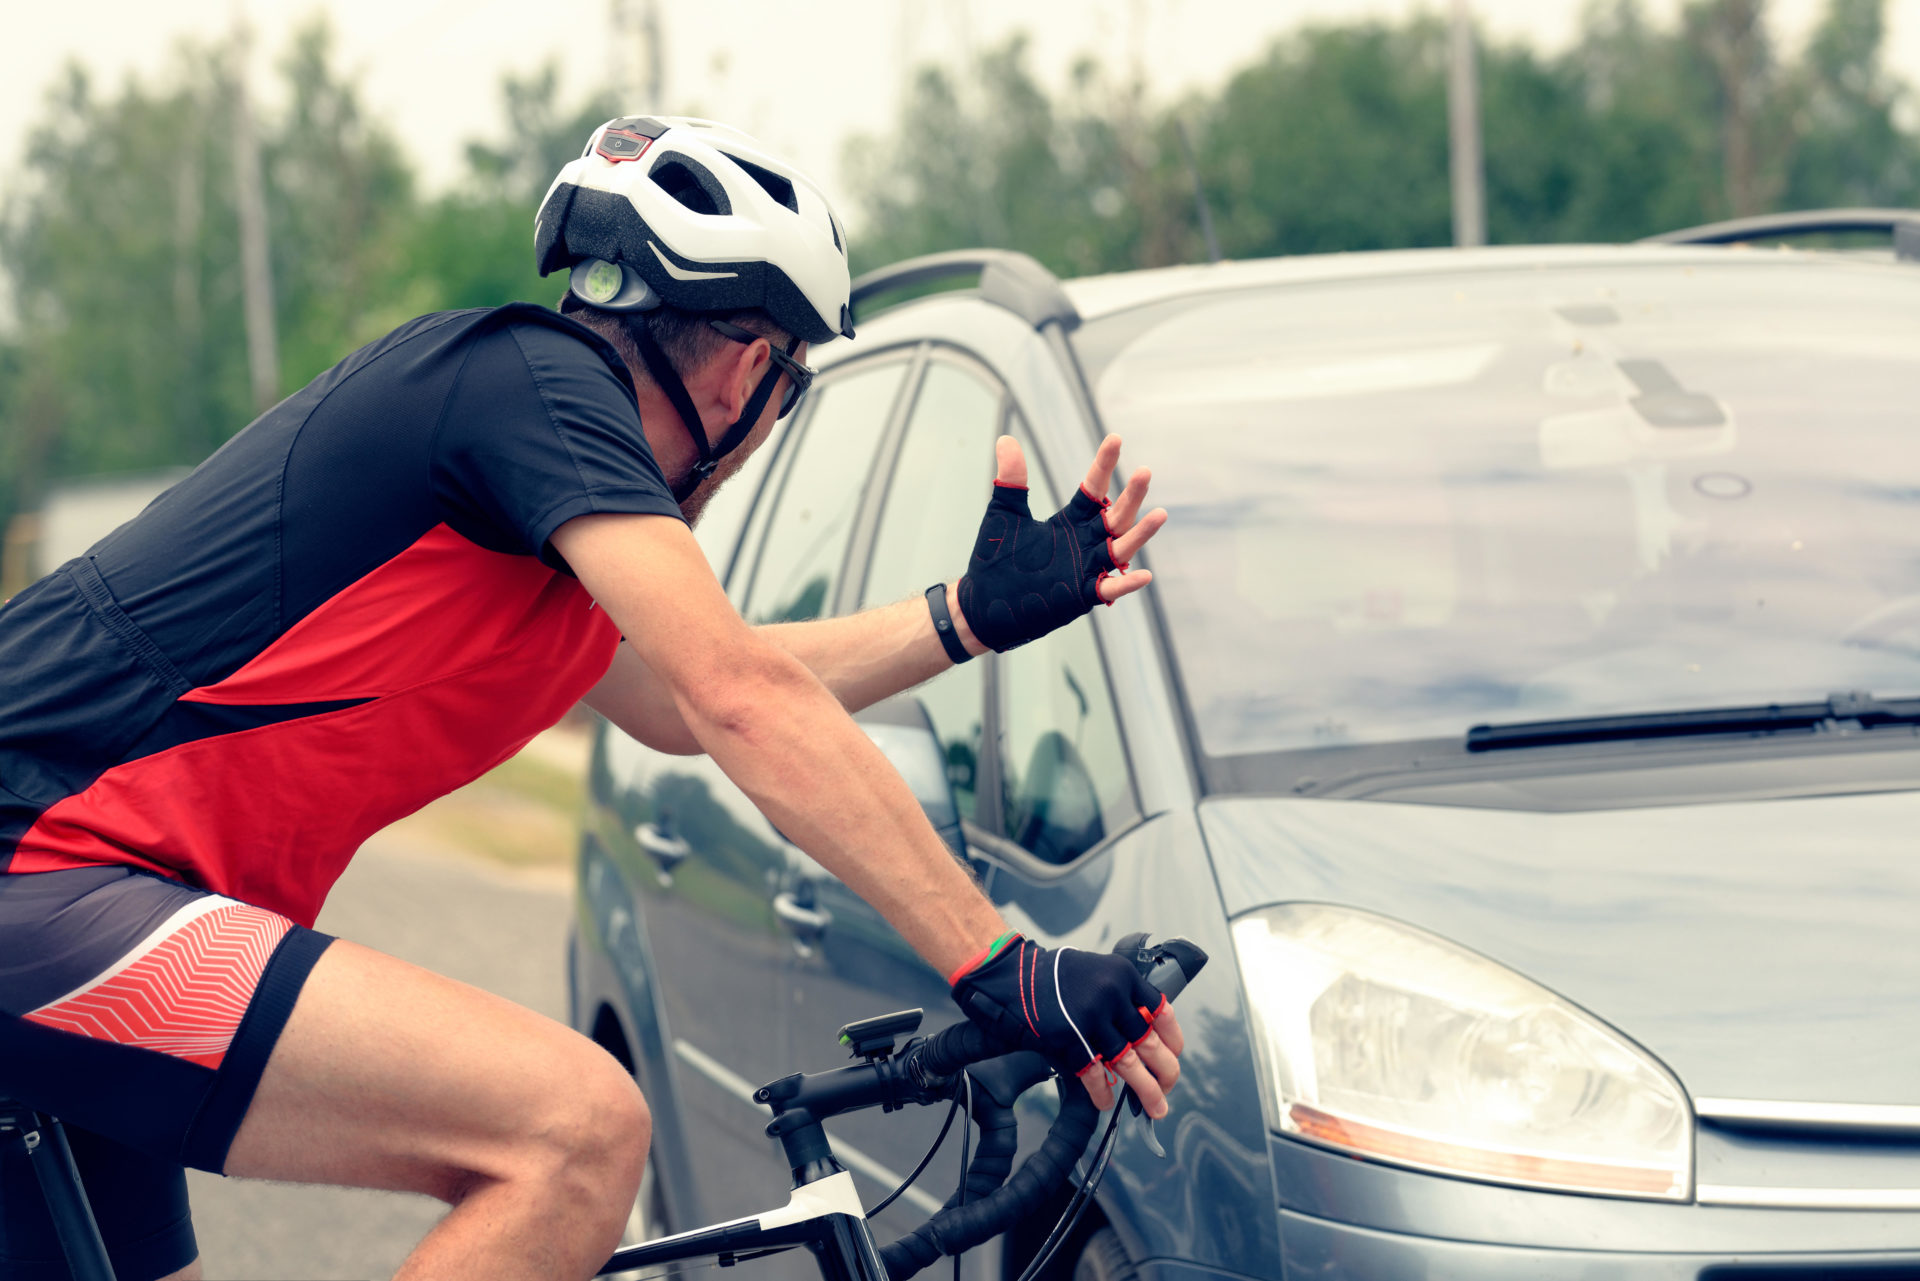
<point>1028,577</point>
<point>1074,1007</point>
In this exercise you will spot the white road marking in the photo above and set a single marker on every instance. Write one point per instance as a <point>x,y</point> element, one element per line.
<point>851,1157</point>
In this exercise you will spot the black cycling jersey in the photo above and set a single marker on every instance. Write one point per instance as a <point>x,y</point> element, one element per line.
<point>350,609</point>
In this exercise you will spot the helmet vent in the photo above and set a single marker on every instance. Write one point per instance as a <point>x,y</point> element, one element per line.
<point>691,183</point>
<point>779,188</point>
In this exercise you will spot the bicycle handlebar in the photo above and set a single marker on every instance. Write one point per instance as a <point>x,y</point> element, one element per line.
<point>929,1070</point>
<point>995,1202</point>
<point>1168,966</point>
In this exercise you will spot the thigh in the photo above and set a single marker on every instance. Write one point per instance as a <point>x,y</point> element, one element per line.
<point>139,1011</point>
<point>391,1076</point>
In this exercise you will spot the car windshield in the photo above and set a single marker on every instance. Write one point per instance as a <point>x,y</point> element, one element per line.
<point>1400,508</point>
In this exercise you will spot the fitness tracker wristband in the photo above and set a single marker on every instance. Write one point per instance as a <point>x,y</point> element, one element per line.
<point>943,624</point>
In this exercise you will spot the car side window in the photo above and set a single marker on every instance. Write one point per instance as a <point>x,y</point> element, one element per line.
<point>717,528</point>
<point>932,511</point>
<point>1063,769</point>
<point>806,537</point>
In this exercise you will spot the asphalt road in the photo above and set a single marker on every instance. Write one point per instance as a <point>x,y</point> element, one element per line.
<point>499,930</point>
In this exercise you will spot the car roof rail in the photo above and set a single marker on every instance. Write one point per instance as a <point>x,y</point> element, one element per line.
<point>1008,278</point>
<point>1904,224</point>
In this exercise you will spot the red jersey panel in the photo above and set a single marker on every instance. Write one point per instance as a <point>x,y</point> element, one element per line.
<point>349,610</point>
<point>456,683</point>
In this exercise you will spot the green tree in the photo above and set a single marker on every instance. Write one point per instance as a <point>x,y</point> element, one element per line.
<point>340,207</point>
<point>991,159</point>
<point>119,253</point>
<point>1646,157</point>
<point>1850,148</point>
<point>474,246</point>
<point>116,263</point>
<point>1335,138</point>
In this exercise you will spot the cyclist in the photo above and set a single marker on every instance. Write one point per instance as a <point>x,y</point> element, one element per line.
<point>380,589</point>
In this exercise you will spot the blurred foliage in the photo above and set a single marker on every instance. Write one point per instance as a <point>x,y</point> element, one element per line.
<point>119,247</point>
<point>127,347</point>
<point>1336,139</point>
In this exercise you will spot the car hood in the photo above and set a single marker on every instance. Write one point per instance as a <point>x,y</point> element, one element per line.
<point>1763,950</point>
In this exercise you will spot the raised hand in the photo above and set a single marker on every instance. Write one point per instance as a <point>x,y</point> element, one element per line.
<point>1028,577</point>
<point>1129,535</point>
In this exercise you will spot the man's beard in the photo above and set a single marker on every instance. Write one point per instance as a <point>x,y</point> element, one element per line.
<point>696,502</point>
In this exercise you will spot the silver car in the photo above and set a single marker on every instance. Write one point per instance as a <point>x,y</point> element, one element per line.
<point>1523,715</point>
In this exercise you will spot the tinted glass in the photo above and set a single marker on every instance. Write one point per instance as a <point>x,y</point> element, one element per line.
<point>1401,508</point>
<point>933,508</point>
<point>940,486</point>
<point>1064,781</point>
<point>719,529</point>
<point>806,540</point>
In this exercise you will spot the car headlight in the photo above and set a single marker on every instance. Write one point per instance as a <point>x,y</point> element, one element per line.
<point>1385,1041</point>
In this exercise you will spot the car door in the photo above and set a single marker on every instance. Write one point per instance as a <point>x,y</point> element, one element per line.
<point>706,864</point>
<point>851,964</point>
<point>1058,769</point>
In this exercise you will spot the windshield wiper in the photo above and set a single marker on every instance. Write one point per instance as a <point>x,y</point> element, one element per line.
<point>1857,706</point>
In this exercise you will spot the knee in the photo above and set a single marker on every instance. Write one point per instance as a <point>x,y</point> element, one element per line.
<point>597,1128</point>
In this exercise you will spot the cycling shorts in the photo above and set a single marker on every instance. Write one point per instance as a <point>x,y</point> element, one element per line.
<point>141,1012</point>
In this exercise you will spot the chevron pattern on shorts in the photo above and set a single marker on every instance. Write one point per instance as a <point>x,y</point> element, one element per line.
<point>186,994</point>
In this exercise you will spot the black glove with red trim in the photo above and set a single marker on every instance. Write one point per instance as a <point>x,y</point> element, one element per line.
<point>1074,1007</point>
<point>1028,577</point>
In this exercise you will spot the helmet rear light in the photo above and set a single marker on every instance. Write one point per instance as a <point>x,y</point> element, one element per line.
<point>618,144</point>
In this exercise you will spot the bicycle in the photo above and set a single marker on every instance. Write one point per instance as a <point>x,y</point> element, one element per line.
<point>954,1065</point>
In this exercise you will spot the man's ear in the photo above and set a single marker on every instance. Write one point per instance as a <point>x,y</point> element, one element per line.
<point>750,361</point>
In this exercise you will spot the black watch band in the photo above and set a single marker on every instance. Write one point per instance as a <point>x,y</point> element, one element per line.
<point>943,624</point>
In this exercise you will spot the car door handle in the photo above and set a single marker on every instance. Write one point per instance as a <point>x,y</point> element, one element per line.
<point>664,846</point>
<point>804,923</point>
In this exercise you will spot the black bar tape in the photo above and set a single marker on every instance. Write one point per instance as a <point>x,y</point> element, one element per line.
<point>957,1046</point>
<point>961,1227</point>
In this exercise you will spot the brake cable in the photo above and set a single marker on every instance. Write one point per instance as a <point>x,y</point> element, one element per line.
<point>938,1140</point>
<point>966,1163</point>
<point>1082,1197</point>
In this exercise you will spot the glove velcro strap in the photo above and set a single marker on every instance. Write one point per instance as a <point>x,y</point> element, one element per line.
<point>984,955</point>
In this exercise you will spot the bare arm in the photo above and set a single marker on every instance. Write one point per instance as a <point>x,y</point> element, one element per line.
<point>861,659</point>
<point>873,655</point>
<point>777,732</point>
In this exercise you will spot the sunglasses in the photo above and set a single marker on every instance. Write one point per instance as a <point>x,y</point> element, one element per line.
<point>799,376</point>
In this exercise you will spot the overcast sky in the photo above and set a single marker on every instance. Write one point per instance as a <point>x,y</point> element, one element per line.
<point>803,76</point>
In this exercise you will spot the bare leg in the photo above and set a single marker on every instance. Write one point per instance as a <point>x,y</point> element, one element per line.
<point>189,1273</point>
<point>388,1076</point>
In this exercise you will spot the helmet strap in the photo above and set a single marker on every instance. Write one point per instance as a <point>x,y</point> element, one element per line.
<point>667,378</point>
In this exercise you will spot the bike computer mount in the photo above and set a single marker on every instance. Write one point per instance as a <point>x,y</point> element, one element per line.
<point>874,1038</point>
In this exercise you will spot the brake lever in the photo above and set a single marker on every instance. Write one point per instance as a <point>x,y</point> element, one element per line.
<point>1153,1141</point>
<point>1133,1105</point>
<point>1169,966</point>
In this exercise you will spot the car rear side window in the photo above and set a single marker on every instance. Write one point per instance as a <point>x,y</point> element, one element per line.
<point>806,537</point>
<point>933,507</point>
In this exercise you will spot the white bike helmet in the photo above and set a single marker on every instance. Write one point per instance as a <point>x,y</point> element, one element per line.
<point>695,214</point>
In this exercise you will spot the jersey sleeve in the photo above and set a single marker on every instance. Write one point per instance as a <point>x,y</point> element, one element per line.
<point>537,430</point>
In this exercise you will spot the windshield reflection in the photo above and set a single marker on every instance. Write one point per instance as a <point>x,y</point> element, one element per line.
<point>1402,508</point>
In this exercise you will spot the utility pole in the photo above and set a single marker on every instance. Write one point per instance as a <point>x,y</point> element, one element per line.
<point>656,63</point>
<point>638,53</point>
<point>1205,211</point>
<point>1463,130</point>
<point>256,268</point>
